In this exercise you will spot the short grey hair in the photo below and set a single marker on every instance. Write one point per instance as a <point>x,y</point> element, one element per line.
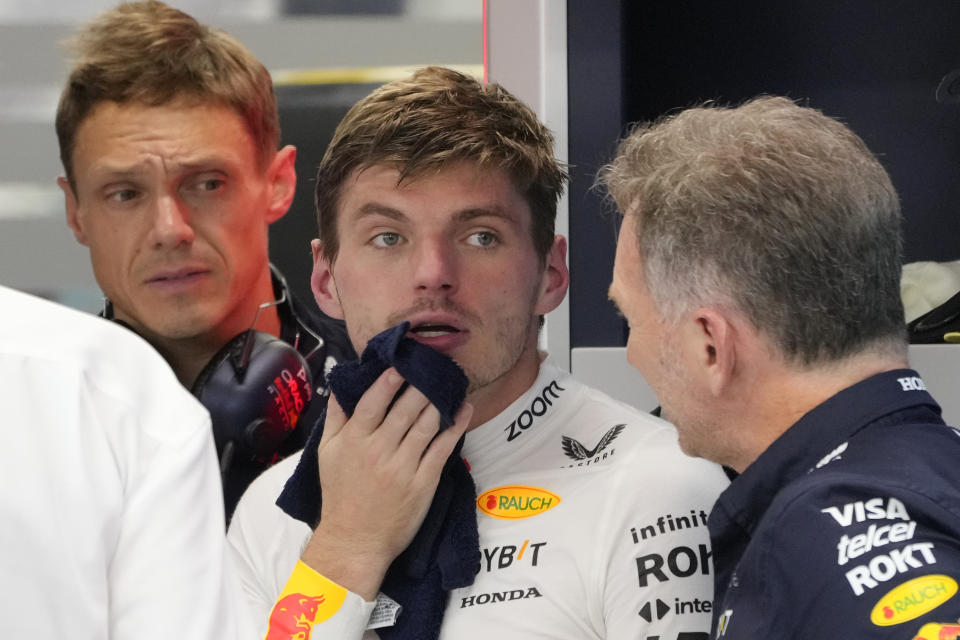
<point>772,208</point>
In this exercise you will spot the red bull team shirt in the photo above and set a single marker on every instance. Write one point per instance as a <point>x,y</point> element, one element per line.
<point>592,524</point>
<point>847,526</point>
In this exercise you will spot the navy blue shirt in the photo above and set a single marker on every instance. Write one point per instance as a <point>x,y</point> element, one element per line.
<point>848,525</point>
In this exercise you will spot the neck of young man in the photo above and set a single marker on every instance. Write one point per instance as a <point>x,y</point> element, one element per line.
<point>490,400</point>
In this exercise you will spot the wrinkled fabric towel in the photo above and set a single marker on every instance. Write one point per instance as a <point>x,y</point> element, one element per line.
<point>445,552</point>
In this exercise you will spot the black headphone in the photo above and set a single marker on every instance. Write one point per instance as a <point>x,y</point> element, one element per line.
<point>256,388</point>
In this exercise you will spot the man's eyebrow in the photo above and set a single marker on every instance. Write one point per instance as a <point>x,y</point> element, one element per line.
<point>117,171</point>
<point>465,215</point>
<point>377,209</point>
<point>201,164</point>
<point>484,212</point>
<point>121,171</point>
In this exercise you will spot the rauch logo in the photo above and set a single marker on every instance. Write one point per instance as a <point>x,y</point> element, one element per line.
<point>515,502</point>
<point>912,599</point>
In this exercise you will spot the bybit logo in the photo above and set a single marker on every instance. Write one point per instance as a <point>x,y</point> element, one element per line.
<point>506,556</point>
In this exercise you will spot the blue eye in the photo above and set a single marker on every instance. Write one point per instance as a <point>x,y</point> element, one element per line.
<point>387,239</point>
<point>483,239</point>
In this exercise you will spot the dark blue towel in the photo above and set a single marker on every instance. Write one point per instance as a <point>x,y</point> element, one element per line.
<point>445,553</point>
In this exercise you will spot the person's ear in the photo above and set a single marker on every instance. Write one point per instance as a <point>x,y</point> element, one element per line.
<point>711,344</point>
<point>323,284</point>
<point>282,176</point>
<point>556,277</point>
<point>73,210</point>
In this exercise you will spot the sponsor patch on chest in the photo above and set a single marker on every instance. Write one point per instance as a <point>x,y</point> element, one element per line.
<point>516,501</point>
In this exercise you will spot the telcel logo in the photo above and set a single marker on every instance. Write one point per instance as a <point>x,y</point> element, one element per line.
<point>516,502</point>
<point>912,599</point>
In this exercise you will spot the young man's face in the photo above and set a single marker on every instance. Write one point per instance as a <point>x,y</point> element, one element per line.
<point>174,206</point>
<point>451,253</point>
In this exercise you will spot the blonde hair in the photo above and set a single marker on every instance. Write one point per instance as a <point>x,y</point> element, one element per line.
<point>150,53</point>
<point>435,117</point>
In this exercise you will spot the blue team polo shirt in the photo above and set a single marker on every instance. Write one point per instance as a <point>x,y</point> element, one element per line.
<point>848,525</point>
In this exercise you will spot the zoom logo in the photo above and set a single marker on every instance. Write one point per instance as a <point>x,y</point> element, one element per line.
<point>538,407</point>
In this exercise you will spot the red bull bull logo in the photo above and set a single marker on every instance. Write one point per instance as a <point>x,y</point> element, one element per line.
<point>516,502</point>
<point>939,631</point>
<point>293,617</point>
<point>308,599</point>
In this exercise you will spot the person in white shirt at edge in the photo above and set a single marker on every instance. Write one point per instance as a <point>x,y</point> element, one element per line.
<point>111,507</point>
<point>436,205</point>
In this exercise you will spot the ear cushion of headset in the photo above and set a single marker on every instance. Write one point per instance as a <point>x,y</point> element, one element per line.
<point>259,406</point>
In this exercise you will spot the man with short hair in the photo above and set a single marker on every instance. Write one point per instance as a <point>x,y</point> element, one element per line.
<point>168,135</point>
<point>758,266</point>
<point>436,199</point>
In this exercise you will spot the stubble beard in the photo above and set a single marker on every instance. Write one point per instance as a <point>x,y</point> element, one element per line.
<point>512,340</point>
<point>674,382</point>
<point>512,336</point>
<point>510,343</point>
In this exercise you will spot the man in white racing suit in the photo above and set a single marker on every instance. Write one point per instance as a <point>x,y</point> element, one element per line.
<point>592,525</point>
<point>437,199</point>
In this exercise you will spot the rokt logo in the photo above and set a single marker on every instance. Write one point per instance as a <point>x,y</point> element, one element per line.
<point>884,567</point>
<point>515,502</point>
<point>912,599</point>
<point>577,451</point>
<point>542,402</point>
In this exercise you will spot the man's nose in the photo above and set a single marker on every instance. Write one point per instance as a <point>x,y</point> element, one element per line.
<point>171,222</point>
<point>435,267</point>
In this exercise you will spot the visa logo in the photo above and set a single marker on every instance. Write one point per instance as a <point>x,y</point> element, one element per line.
<point>873,509</point>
